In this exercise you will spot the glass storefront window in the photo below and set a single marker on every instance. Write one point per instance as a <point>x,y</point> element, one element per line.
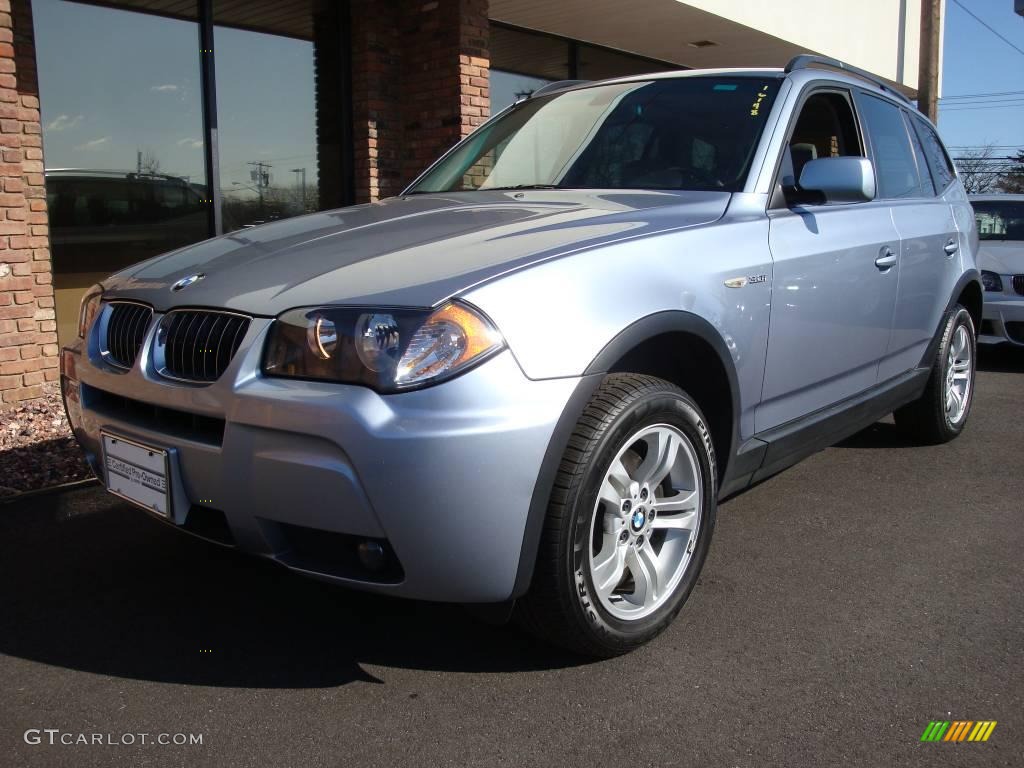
<point>267,119</point>
<point>123,142</point>
<point>521,62</point>
<point>602,63</point>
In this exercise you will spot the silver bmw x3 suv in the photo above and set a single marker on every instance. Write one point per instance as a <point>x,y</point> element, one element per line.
<point>528,380</point>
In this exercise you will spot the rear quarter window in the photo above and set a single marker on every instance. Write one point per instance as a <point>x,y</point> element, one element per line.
<point>938,159</point>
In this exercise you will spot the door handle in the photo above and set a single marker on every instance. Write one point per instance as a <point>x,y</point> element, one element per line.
<point>887,260</point>
<point>951,247</point>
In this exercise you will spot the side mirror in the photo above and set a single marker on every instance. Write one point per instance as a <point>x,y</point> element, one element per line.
<point>840,179</point>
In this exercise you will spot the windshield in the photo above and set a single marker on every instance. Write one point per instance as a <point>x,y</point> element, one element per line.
<point>694,133</point>
<point>1000,220</point>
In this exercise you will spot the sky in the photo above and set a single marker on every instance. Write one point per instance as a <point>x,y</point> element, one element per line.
<point>114,83</point>
<point>976,61</point>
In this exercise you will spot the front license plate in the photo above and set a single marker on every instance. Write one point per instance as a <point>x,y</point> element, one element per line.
<point>137,473</point>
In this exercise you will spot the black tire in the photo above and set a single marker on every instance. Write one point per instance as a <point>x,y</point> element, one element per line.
<point>558,607</point>
<point>926,420</point>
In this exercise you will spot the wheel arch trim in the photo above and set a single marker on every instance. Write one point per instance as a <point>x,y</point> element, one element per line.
<point>642,330</point>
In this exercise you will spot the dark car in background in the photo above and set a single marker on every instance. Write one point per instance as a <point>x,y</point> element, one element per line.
<point>104,221</point>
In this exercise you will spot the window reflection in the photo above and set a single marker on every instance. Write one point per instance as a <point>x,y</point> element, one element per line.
<point>122,135</point>
<point>267,121</point>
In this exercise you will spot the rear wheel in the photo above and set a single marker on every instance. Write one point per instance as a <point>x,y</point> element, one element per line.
<point>940,414</point>
<point>629,522</point>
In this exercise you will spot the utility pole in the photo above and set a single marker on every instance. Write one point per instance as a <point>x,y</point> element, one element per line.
<point>928,66</point>
<point>303,172</point>
<point>260,175</point>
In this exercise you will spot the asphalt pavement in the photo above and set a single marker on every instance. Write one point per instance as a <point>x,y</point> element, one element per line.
<point>846,603</point>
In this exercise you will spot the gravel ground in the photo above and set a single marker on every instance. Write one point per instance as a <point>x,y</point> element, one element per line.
<point>37,449</point>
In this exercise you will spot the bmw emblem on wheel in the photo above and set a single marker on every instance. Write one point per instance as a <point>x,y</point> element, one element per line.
<point>185,282</point>
<point>639,518</point>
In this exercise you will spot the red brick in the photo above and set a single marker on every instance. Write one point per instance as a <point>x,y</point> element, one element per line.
<point>20,366</point>
<point>22,392</point>
<point>15,311</point>
<point>10,382</point>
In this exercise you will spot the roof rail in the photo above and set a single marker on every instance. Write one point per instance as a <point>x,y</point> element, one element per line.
<point>557,86</point>
<point>806,61</point>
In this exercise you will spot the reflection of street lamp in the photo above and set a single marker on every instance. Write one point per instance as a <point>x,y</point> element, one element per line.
<point>303,172</point>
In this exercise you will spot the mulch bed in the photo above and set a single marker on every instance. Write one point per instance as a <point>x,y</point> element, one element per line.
<point>37,449</point>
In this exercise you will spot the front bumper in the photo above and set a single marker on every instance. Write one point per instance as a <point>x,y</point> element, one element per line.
<point>300,472</point>
<point>1002,317</point>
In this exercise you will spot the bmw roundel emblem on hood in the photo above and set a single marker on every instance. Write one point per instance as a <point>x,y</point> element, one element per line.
<point>185,282</point>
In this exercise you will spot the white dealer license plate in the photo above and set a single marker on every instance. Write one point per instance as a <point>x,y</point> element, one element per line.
<point>137,473</point>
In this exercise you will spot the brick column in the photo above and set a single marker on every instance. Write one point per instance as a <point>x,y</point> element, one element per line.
<point>420,83</point>
<point>28,330</point>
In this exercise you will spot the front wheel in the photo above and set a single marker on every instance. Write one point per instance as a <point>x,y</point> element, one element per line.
<point>940,414</point>
<point>629,522</point>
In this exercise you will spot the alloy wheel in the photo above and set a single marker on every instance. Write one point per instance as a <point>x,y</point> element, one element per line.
<point>959,375</point>
<point>645,522</point>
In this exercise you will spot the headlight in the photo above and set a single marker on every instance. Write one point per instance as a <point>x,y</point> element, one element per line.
<point>991,281</point>
<point>88,310</point>
<point>389,350</point>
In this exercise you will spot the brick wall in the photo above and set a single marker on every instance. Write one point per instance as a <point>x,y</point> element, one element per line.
<point>28,331</point>
<point>420,83</point>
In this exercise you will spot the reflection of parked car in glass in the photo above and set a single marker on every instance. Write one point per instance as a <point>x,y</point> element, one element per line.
<point>1001,261</point>
<point>104,221</point>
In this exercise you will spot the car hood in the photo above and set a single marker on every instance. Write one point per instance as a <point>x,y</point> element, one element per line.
<point>411,251</point>
<point>1003,256</point>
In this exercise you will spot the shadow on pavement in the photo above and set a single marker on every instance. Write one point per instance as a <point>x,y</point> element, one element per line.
<point>90,583</point>
<point>881,434</point>
<point>1001,359</point>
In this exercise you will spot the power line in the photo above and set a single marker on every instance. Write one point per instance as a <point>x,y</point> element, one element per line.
<point>995,106</point>
<point>982,95</point>
<point>971,13</point>
<point>983,101</point>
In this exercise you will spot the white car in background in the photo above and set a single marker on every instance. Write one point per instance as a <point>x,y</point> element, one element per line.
<point>1001,261</point>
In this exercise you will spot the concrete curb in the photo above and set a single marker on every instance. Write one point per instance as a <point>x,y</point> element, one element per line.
<point>22,495</point>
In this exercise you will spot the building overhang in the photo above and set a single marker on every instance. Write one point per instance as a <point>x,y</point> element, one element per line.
<point>880,36</point>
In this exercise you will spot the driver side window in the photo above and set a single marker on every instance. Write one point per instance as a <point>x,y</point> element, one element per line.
<point>826,127</point>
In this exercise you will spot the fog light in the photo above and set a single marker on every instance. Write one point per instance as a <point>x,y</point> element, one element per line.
<point>991,281</point>
<point>371,555</point>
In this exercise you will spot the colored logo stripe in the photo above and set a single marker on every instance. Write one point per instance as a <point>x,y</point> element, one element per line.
<point>958,730</point>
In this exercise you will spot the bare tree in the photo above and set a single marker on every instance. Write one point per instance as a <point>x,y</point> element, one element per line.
<point>1013,179</point>
<point>149,162</point>
<point>978,169</point>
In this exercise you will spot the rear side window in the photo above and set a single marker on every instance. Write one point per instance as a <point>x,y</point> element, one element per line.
<point>938,160</point>
<point>927,185</point>
<point>895,167</point>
